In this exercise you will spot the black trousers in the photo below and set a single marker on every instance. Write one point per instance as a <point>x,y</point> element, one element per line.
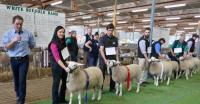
<point>103,68</point>
<point>20,68</point>
<point>58,74</point>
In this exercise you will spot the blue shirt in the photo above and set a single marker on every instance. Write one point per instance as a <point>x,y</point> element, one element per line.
<point>21,48</point>
<point>157,48</point>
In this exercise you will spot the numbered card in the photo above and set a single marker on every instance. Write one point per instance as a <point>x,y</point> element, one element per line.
<point>65,53</point>
<point>149,50</point>
<point>178,50</point>
<point>110,51</point>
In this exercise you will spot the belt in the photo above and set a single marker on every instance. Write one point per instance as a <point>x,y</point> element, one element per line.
<point>19,58</point>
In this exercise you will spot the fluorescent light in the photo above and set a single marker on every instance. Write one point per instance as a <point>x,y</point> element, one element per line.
<point>110,14</point>
<point>191,24</point>
<point>139,10</point>
<point>105,23</point>
<point>171,24</point>
<point>198,16</point>
<point>188,28</point>
<point>71,19</point>
<point>121,22</point>
<point>56,3</point>
<point>192,32</point>
<point>130,27</point>
<point>92,24</point>
<point>86,17</point>
<point>175,6</point>
<point>146,26</point>
<point>138,30</point>
<point>146,20</point>
<point>118,27</point>
<point>173,18</point>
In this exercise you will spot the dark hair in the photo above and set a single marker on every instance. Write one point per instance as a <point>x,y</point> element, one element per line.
<point>96,33</point>
<point>17,17</point>
<point>147,29</point>
<point>195,35</point>
<point>110,26</point>
<point>162,39</point>
<point>59,42</point>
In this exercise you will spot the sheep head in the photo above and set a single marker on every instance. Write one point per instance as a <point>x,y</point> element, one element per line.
<point>112,63</point>
<point>72,66</point>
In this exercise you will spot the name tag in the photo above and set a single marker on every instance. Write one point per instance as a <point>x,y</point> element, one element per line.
<point>110,51</point>
<point>149,49</point>
<point>65,53</point>
<point>97,44</point>
<point>178,50</point>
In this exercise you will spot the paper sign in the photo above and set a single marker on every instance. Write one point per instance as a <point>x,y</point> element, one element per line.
<point>177,50</point>
<point>110,51</point>
<point>65,53</point>
<point>149,50</point>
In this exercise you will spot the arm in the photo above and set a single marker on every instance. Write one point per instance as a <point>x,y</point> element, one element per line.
<point>102,54</point>
<point>171,50</point>
<point>87,44</point>
<point>56,56</point>
<point>31,41</point>
<point>142,46</point>
<point>117,53</point>
<point>158,48</point>
<point>8,43</point>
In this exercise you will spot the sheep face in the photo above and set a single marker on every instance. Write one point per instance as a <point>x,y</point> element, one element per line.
<point>72,67</point>
<point>112,63</point>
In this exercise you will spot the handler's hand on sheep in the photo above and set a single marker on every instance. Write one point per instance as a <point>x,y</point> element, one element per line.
<point>181,58</point>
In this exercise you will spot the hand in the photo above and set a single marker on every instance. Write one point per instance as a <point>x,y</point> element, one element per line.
<point>16,38</point>
<point>106,61</point>
<point>190,53</point>
<point>90,49</point>
<point>173,54</point>
<point>67,69</point>
<point>181,58</point>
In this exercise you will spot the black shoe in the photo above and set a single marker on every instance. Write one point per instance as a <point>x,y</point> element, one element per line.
<point>145,82</point>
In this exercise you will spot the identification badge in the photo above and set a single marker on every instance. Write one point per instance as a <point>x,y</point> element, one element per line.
<point>110,51</point>
<point>149,50</point>
<point>178,50</point>
<point>65,53</point>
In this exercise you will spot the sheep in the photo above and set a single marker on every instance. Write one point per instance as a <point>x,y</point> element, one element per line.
<point>175,68</point>
<point>77,80</point>
<point>185,66</point>
<point>120,75</point>
<point>159,69</point>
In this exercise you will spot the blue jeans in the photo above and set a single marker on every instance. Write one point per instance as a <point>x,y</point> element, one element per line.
<point>58,74</point>
<point>20,68</point>
<point>92,60</point>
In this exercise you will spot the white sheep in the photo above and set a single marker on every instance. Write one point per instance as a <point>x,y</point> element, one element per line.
<point>186,66</point>
<point>77,80</point>
<point>120,75</point>
<point>175,68</point>
<point>159,69</point>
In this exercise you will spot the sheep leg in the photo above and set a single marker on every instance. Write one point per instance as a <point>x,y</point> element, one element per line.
<point>94,94</point>
<point>168,80</point>
<point>138,86</point>
<point>186,74</point>
<point>117,88</point>
<point>130,87</point>
<point>99,96</point>
<point>120,93</point>
<point>157,79</point>
<point>79,98</point>
<point>176,74</point>
<point>154,80</point>
<point>71,96</point>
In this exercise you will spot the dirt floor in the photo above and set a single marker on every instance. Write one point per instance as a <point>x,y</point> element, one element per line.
<point>37,89</point>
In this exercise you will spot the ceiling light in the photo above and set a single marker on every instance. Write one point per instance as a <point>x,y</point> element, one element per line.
<point>175,6</point>
<point>146,26</point>
<point>198,16</point>
<point>171,24</point>
<point>173,18</point>
<point>71,19</point>
<point>146,20</point>
<point>121,22</point>
<point>188,28</point>
<point>139,10</point>
<point>110,14</point>
<point>56,3</point>
<point>180,31</point>
<point>191,24</point>
<point>86,17</point>
<point>138,30</point>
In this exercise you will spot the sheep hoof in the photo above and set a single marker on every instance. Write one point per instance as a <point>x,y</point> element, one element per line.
<point>99,98</point>
<point>129,89</point>
<point>137,91</point>
<point>93,99</point>
<point>120,94</point>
